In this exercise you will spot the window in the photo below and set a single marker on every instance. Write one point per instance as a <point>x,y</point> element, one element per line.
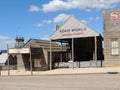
<point>114,47</point>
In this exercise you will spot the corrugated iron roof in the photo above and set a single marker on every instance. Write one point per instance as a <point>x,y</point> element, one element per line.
<point>3,57</point>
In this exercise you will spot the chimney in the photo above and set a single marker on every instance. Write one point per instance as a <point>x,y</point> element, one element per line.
<point>57,27</point>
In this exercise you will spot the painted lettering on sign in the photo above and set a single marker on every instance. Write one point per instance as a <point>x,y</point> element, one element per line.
<point>115,15</point>
<point>72,32</point>
<point>65,31</point>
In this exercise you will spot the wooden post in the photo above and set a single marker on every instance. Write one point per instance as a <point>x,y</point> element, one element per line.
<point>61,52</point>
<point>0,70</point>
<point>8,61</point>
<point>50,55</point>
<point>31,68</point>
<point>73,53</point>
<point>96,51</point>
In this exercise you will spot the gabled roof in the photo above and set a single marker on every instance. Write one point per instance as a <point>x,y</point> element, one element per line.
<point>37,43</point>
<point>73,28</point>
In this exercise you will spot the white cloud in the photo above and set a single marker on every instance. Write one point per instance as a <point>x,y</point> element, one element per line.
<point>47,21</point>
<point>4,40</point>
<point>34,8</point>
<point>57,19</point>
<point>97,18</point>
<point>61,18</point>
<point>45,37</point>
<point>4,37</point>
<point>39,25</point>
<point>9,42</point>
<point>84,21</point>
<point>93,19</point>
<point>43,22</point>
<point>56,5</point>
<point>88,10</point>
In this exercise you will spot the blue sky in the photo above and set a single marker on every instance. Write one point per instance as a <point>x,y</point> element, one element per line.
<point>37,18</point>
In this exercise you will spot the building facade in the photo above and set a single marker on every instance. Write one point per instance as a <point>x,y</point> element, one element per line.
<point>111,20</point>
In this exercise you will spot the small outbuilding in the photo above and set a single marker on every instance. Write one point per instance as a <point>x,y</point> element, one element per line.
<point>36,54</point>
<point>4,61</point>
<point>3,58</point>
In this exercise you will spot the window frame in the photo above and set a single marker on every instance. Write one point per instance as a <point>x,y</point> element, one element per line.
<point>114,47</point>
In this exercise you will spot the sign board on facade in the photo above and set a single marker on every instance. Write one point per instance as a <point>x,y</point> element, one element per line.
<point>115,15</point>
<point>19,50</point>
<point>111,19</point>
<point>72,32</point>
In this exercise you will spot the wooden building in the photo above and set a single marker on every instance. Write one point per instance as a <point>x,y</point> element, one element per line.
<point>72,42</point>
<point>35,51</point>
<point>84,44</point>
<point>111,22</point>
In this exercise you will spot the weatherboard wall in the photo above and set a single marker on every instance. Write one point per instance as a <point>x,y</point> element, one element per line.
<point>111,23</point>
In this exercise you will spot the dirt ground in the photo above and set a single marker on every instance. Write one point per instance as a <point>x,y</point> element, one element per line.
<point>61,82</point>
